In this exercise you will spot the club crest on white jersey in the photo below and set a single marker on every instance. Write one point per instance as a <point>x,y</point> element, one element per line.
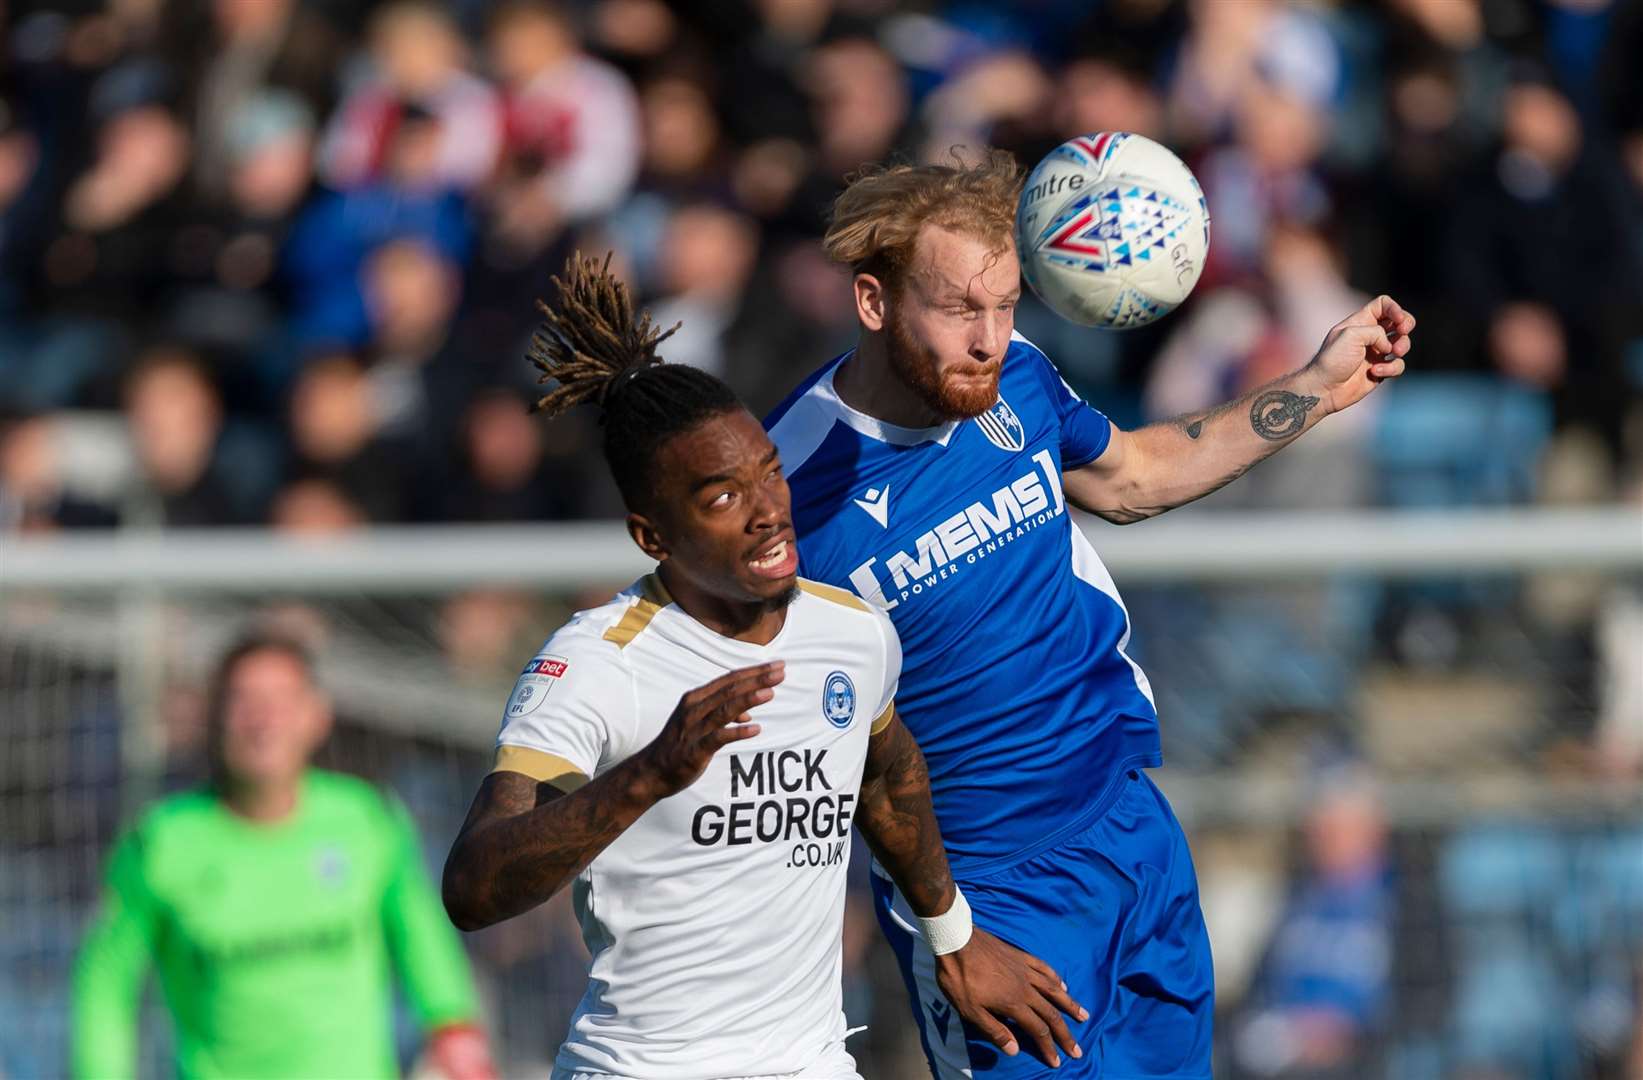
<point>839,700</point>
<point>1002,427</point>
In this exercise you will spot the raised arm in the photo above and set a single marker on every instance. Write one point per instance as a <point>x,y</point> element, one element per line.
<point>524,839</point>
<point>986,980</point>
<point>1164,465</point>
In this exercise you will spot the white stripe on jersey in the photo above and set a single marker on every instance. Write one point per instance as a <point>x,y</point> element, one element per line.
<point>946,1042</point>
<point>802,430</point>
<point>1088,567</point>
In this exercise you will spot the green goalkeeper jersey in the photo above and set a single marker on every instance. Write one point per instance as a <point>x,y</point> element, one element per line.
<point>275,944</point>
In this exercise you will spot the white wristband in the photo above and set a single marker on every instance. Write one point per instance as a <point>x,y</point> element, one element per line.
<point>950,931</point>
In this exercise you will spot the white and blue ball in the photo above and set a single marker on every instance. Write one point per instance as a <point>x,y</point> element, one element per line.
<point>1112,230</point>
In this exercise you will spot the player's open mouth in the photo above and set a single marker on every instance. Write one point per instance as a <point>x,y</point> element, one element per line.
<point>780,559</point>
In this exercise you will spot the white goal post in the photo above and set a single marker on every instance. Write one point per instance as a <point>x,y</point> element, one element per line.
<point>115,595</point>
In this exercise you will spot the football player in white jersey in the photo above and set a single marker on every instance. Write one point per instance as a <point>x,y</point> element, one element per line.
<point>690,757</point>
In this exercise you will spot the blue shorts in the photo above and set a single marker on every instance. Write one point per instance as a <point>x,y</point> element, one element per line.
<point>1113,908</point>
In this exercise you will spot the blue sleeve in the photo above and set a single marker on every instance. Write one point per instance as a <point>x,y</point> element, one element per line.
<point>1085,431</point>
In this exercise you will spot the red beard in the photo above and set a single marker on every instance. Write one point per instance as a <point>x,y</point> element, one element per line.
<point>916,366</point>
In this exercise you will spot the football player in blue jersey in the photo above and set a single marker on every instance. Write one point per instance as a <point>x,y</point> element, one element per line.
<point>932,468</point>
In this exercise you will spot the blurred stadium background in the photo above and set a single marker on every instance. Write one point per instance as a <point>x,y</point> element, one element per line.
<point>266,275</point>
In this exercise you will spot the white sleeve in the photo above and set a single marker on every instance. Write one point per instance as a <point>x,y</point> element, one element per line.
<point>570,713</point>
<point>892,671</point>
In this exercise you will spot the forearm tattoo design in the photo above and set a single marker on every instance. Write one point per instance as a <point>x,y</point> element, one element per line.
<point>1279,414</point>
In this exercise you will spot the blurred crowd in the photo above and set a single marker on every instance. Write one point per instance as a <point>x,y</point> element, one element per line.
<point>274,261</point>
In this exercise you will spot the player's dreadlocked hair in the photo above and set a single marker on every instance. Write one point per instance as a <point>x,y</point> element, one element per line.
<point>594,349</point>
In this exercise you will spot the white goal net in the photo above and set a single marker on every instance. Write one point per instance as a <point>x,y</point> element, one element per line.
<point>1408,750</point>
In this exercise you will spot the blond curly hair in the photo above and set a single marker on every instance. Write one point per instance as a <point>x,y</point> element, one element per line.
<point>879,214</point>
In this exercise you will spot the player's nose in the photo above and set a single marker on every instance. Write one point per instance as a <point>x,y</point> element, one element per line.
<point>990,334</point>
<point>766,511</point>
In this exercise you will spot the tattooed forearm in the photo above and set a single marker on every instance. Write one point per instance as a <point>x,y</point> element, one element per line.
<point>895,817</point>
<point>1279,414</point>
<point>524,841</point>
<point>1193,424</point>
<point>1173,462</point>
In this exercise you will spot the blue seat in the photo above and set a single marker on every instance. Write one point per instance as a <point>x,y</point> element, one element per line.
<point>1459,440</point>
<point>1500,884</point>
<point>1501,869</point>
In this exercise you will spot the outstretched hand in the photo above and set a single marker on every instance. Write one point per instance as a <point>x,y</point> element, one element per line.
<point>708,718</point>
<point>1361,351</point>
<point>991,983</point>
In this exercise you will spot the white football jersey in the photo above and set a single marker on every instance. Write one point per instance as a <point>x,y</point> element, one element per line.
<point>716,920</point>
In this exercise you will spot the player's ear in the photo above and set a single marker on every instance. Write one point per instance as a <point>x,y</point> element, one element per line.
<point>646,534</point>
<point>870,301</point>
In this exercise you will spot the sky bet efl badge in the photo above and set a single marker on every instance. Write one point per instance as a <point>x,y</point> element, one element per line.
<point>534,683</point>
<point>839,700</point>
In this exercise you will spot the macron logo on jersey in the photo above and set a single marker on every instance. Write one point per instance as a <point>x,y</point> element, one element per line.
<point>978,530</point>
<point>876,501</point>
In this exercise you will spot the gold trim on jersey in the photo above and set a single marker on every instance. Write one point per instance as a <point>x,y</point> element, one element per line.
<point>883,720</point>
<point>838,596</point>
<point>653,597</point>
<point>540,766</point>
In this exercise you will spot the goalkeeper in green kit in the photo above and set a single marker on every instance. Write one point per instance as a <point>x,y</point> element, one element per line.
<point>276,904</point>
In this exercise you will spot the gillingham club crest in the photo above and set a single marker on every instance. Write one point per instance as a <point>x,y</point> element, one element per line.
<point>1002,427</point>
<point>839,700</point>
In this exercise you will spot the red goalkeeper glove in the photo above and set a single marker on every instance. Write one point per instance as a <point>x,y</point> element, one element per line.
<point>460,1052</point>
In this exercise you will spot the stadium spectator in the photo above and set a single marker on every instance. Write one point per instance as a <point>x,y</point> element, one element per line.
<point>230,296</point>
<point>314,509</point>
<point>232,52</point>
<point>1220,56</point>
<point>33,496</point>
<point>1272,170</point>
<point>481,632</point>
<point>421,375</point>
<point>502,469</point>
<point>572,137</point>
<point>19,170</point>
<point>1323,989</point>
<point>859,100</point>
<point>270,903</point>
<point>1548,321</point>
<point>115,255</point>
<point>175,415</point>
<point>111,260</point>
<point>340,231</point>
<point>335,433</point>
<point>418,60</point>
<point>988,101</point>
<point>707,256</point>
<point>684,144</point>
<point>1104,93</point>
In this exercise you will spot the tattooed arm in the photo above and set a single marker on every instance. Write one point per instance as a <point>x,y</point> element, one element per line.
<point>524,840</point>
<point>992,985</point>
<point>1161,466</point>
<point>896,819</point>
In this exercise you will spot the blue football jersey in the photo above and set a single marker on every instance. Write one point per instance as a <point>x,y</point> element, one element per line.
<point>1014,678</point>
